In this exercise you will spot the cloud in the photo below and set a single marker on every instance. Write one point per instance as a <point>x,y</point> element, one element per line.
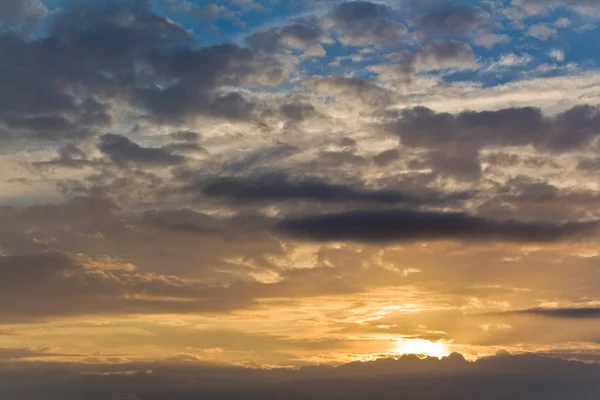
<point>524,8</point>
<point>454,21</point>
<point>444,54</point>
<point>53,284</point>
<point>361,23</point>
<point>123,151</point>
<point>423,127</point>
<point>94,64</point>
<point>352,91</point>
<point>454,141</point>
<point>187,378</point>
<point>23,11</point>
<point>457,21</point>
<point>567,313</point>
<point>305,35</point>
<point>11,354</point>
<point>542,31</point>
<point>280,187</point>
<point>404,67</point>
<point>402,225</point>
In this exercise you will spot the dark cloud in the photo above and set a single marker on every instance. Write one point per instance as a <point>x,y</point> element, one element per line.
<point>199,73</point>
<point>454,20</point>
<point>386,157</point>
<point>460,164</point>
<point>280,187</point>
<point>186,136</point>
<point>297,111</point>
<point>361,23</point>
<point>57,86</point>
<point>567,313</point>
<point>589,164</point>
<point>123,151</point>
<point>64,85</point>
<point>423,127</point>
<point>528,198</point>
<point>401,225</point>
<point>257,158</point>
<point>69,156</point>
<point>186,377</point>
<point>303,34</point>
<point>16,12</point>
<point>442,54</point>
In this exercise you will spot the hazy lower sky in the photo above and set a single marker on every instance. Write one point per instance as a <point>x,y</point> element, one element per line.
<point>223,187</point>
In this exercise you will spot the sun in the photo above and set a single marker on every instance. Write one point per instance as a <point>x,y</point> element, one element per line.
<point>422,347</point>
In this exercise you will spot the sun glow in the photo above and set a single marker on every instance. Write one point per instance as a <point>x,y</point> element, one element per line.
<point>421,347</point>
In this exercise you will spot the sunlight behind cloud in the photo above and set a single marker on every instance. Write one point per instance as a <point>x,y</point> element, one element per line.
<point>422,347</point>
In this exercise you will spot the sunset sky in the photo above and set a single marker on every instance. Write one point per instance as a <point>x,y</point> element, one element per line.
<point>246,185</point>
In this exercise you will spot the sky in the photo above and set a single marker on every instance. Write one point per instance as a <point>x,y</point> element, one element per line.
<point>246,198</point>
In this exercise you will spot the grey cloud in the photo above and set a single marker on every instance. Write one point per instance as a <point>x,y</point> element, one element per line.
<point>68,156</point>
<point>454,20</point>
<point>566,313</point>
<point>444,54</point>
<point>525,197</point>
<point>185,378</point>
<point>524,8</point>
<point>361,23</point>
<point>434,55</point>
<point>191,244</point>
<point>259,157</point>
<point>403,225</point>
<point>297,111</point>
<point>55,87</point>
<point>350,89</point>
<point>386,157</point>
<point>461,164</point>
<point>123,151</point>
<point>63,85</point>
<point>280,187</point>
<point>423,127</point>
<point>303,34</point>
<point>186,136</point>
<point>589,164</point>
<point>461,20</point>
<point>180,102</point>
<point>14,12</point>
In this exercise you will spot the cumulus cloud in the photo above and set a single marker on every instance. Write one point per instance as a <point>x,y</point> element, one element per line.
<point>456,21</point>
<point>361,23</point>
<point>305,35</point>
<point>123,151</point>
<point>542,31</point>
<point>569,130</point>
<point>524,8</point>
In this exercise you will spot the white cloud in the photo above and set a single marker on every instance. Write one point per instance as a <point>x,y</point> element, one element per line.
<point>542,31</point>
<point>557,54</point>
